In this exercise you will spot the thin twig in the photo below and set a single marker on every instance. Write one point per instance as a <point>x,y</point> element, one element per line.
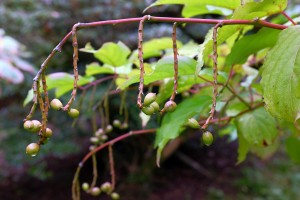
<point>112,167</point>
<point>140,55</point>
<point>289,18</point>
<point>75,61</point>
<point>175,52</point>
<point>215,71</point>
<point>95,171</point>
<point>46,103</point>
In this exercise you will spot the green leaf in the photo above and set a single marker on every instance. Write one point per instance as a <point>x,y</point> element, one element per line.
<point>292,148</point>
<point>260,9</point>
<point>191,10</point>
<point>164,68</point>
<point>63,82</point>
<point>207,73</point>
<point>184,83</point>
<point>172,122</point>
<point>257,127</point>
<point>29,97</point>
<point>88,48</point>
<point>154,47</point>
<point>265,152</point>
<point>231,4</point>
<point>190,49</point>
<point>248,11</point>
<point>243,149</point>
<point>281,76</point>
<point>113,54</point>
<point>250,44</point>
<point>94,68</point>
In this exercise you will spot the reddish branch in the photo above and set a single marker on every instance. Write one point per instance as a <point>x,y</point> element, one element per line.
<point>289,18</point>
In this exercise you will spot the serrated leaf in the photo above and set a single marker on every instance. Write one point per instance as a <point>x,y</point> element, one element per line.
<point>113,54</point>
<point>257,127</point>
<point>10,73</point>
<point>164,68</point>
<point>292,148</point>
<point>250,44</point>
<point>281,76</point>
<point>172,122</point>
<point>63,82</point>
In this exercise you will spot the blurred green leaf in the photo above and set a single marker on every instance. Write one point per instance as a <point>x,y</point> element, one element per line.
<point>154,47</point>
<point>88,48</point>
<point>250,44</point>
<point>265,151</point>
<point>164,68</point>
<point>192,10</point>
<point>281,76</point>
<point>94,68</point>
<point>249,11</point>
<point>113,54</point>
<point>63,82</point>
<point>172,122</point>
<point>29,97</point>
<point>243,148</point>
<point>259,9</point>
<point>292,145</point>
<point>231,4</point>
<point>257,127</point>
<point>207,73</point>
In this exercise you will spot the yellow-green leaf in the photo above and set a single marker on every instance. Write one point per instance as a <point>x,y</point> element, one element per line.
<point>281,76</point>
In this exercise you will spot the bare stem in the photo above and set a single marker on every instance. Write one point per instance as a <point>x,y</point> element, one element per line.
<point>112,167</point>
<point>215,70</point>
<point>95,171</point>
<point>46,106</point>
<point>175,52</point>
<point>289,18</point>
<point>140,55</point>
<point>75,61</point>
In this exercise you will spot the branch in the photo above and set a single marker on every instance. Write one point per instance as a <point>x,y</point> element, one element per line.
<point>140,55</point>
<point>175,52</point>
<point>215,82</point>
